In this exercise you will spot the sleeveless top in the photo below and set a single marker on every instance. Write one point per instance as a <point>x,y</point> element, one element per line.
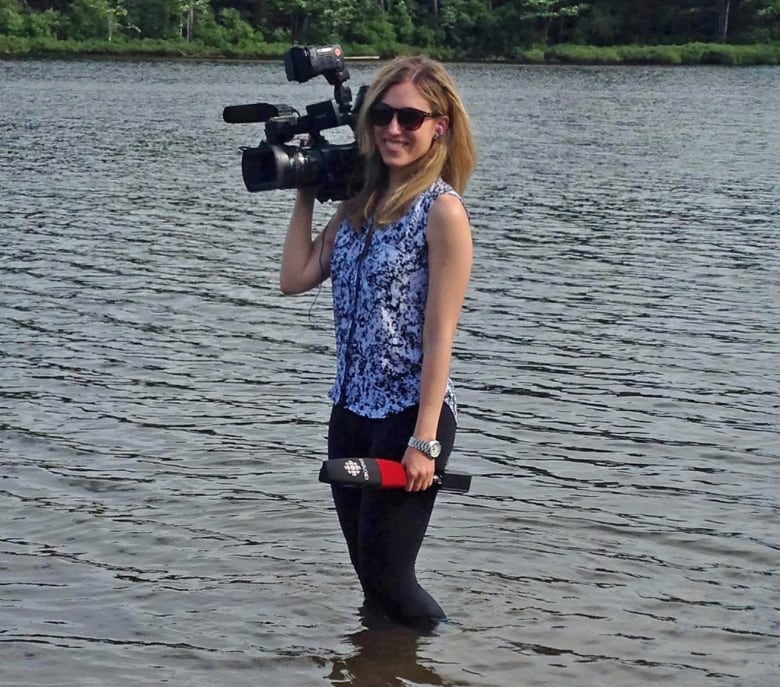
<point>380,286</point>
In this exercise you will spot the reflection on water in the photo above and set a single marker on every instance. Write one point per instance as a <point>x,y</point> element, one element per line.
<point>384,655</point>
<point>163,409</point>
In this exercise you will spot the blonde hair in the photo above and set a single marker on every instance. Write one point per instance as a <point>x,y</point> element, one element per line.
<point>452,157</point>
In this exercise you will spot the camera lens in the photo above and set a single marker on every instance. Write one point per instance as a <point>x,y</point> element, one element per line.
<point>269,167</point>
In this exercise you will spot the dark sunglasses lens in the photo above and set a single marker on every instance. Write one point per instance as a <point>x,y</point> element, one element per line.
<point>410,119</point>
<point>381,115</point>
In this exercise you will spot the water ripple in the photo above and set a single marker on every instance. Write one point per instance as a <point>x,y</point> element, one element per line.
<point>163,409</point>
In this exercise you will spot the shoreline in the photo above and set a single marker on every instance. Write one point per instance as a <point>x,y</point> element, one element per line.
<point>686,54</point>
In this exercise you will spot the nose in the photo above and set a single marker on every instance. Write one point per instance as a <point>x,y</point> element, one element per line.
<point>394,126</point>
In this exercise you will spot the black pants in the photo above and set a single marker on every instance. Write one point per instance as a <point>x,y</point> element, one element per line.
<point>384,528</point>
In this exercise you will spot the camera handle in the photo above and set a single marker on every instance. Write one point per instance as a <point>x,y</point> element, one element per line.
<point>342,94</point>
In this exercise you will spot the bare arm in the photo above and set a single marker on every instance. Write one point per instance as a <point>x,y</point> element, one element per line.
<point>306,260</point>
<point>450,255</point>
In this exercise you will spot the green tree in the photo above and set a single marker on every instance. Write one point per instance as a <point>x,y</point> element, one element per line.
<point>155,18</point>
<point>376,26</point>
<point>458,28</point>
<point>11,18</point>
<point>767,17</point>
<point>401,19</point>
<point>192,12</point>
<point>42,24</point>
<point>17,20</point>
<point>468,25</point>
<point>318,21</point>
<point>226,32</point>
<point>545,12</point>
<point>87,20</point>
<point>237,30</point>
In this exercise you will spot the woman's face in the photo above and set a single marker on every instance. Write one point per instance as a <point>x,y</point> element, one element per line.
<point>400,145</point>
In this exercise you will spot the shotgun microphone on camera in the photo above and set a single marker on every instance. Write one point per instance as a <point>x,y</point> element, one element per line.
<point>249,114</point>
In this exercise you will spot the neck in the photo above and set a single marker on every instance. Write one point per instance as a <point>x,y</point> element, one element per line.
<point>397,178</point>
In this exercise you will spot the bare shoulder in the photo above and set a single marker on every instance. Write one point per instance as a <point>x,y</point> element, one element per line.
<point>448,206</point>
<point>448,216</point>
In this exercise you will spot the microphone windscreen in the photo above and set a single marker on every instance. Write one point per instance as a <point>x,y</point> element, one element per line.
<point>382,473</point>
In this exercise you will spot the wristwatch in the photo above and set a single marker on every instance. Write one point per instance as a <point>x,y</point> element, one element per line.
<point>431,448</point>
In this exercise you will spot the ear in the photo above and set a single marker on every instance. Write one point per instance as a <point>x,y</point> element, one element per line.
<point>441,127</point>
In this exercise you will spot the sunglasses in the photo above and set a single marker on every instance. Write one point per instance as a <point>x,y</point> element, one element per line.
<point>409,118</point>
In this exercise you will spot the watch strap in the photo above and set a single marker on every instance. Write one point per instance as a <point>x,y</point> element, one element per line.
<point>422,446</point>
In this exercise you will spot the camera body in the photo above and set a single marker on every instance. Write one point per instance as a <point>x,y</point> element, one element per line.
<point>278,164</point>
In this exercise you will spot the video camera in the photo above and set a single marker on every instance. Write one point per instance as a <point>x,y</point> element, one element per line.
<point>330,167</point>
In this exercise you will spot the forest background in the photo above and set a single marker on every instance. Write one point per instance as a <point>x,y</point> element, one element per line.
<point>731,32</point>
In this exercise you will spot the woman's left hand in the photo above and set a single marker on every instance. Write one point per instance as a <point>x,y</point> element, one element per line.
<point>420,470</point>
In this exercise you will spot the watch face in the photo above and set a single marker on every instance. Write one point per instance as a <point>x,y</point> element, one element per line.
<point>435,449</point>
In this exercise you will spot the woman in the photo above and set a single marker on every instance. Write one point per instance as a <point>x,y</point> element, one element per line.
<point>399,255</point>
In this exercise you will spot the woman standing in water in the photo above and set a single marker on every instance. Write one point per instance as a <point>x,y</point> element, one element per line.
<point>399,256</point>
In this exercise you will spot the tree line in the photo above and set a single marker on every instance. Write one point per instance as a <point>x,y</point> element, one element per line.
<point>479,29</point>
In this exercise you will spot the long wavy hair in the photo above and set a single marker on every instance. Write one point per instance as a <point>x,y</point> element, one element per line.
<point>452,157</point>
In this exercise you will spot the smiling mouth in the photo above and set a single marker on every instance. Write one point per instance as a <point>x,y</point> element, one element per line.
<point>394,145</point>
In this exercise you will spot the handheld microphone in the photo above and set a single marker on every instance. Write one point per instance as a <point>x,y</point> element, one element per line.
<point>381,473</point>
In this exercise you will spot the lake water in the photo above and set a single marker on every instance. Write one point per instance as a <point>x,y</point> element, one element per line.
<point>163,409</point>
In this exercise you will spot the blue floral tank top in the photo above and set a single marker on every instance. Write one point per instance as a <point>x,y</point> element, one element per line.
<point>380,287</point>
